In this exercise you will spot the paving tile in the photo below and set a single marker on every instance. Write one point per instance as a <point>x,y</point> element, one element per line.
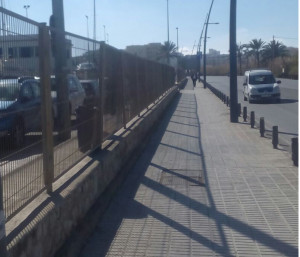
<point>247,204</point>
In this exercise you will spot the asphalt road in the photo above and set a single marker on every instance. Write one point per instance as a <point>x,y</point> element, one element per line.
<point>284,114</point>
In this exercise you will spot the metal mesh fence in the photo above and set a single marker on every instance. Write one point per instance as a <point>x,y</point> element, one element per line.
<point>20,111</point>
<point>83,100</point>
<point>112,91</point>
<point>54,110</point>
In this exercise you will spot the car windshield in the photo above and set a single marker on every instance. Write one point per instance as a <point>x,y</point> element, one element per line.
<point>9,91</point>
<point>261,79</point>
<point>86,66</point>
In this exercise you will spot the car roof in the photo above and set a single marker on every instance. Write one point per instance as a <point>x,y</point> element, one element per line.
<point>259,72</point>
<point>88,80</point>
<point>19,81</point>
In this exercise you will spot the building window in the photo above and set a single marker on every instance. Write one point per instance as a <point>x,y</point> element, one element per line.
<point>36,51</point>
<point>12,52</point>
<point>26,52</point>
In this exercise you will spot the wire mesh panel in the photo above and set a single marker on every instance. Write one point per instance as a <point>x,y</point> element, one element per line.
<point>83,100</point>
<point>130,86</point>
<point>112,91</point>
<point>21,164</point>
<point>141,83</point>
<point>57,106</point>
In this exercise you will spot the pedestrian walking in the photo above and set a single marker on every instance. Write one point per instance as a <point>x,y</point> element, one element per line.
<point>194,78</point>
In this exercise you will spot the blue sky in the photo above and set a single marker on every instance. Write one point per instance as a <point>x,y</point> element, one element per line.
<point>129,22</point>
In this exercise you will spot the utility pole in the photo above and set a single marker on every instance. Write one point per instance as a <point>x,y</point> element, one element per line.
<point>60,70</point>
<point>233,64</point>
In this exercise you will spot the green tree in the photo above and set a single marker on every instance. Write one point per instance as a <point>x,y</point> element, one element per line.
<point>273,50</point>
<point>256,48</point>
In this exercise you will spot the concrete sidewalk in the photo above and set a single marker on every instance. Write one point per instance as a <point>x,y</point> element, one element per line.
<point>203,187</point>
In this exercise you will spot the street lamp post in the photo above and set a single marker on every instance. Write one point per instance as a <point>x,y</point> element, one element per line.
<point>199,48</point>
<point>88,36</point>
<point>104,33</point>
<point>233,64</point>
<point>204,52</point>
<point>87,26</point>
<point>177,39</point>
<point>168,57</point>
<point>26,7</point>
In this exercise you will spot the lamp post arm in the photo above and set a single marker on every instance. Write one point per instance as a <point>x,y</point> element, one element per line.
<point>204,59</point>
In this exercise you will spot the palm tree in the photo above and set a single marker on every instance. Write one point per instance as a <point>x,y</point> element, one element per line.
<point>247,53</point>
<point>256,46</point>
<point>168,50</point>
<point>239,52</point>
<point>274,49</point>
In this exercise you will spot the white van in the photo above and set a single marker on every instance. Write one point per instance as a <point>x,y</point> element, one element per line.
<point>261,85</point>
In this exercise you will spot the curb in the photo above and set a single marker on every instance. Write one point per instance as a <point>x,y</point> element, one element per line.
<point>287,146</point>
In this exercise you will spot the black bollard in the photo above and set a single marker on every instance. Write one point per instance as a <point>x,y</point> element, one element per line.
<point>245,113</point>
<point>295,151</point>
<point>275,137</point>
<point>262,126</point>
<point>252,119</point>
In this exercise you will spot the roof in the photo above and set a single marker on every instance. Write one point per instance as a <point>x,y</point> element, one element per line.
<point>259,72</point>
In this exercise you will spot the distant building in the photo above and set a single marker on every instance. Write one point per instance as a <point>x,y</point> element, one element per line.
<point>213,52</point>
<point>19,55</point>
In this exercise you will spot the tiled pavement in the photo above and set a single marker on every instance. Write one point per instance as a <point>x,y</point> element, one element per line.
<point>203,187</point>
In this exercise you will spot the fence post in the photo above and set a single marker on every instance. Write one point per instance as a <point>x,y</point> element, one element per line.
<point>295,150</point>
<point>46,106</point>
<point>102,71</point>
<point>252,119</point>
<point>262,126</point>
<point>275,137</point>
<point>138,85</point>
<point>123,91</point>
<point>3,250</point>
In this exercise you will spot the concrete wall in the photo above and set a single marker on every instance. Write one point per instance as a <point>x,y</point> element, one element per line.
<point>44,225</point>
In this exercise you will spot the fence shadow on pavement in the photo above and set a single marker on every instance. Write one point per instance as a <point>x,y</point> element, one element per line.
<point>132,209</point>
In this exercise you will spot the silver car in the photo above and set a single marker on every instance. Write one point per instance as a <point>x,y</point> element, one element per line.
<point>76,92</point>
<point>261,85</point>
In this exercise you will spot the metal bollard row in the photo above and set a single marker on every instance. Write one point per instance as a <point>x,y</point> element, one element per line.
<point>245,113</point>
<point>295,150</point>
<point>262,126</point>
<point>252,119</point>
<point>275,137</point>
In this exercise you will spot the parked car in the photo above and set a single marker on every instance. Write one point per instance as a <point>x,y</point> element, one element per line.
<point>91,87</point>
<point>76,92</point>
<point>260,85</point>
<point>86,66</point>
<point>20,108</point>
